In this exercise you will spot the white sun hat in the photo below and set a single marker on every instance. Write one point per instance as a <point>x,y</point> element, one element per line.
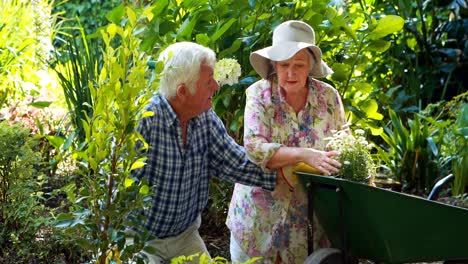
<point>289,38</point>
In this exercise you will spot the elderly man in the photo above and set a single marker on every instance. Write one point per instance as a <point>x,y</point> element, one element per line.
<point>188,144</point>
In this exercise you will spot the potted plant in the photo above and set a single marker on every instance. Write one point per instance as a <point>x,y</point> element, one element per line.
<point>356,159</point>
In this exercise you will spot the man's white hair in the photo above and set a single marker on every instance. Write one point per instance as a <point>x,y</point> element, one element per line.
<point>182,62</point>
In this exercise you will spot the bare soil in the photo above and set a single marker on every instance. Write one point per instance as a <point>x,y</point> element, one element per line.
<point>216,239</point>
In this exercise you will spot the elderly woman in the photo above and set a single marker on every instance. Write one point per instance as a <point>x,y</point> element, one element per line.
<point>287,116</point>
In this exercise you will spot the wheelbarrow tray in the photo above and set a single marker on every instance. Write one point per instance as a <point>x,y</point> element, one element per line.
<point>386,226</point>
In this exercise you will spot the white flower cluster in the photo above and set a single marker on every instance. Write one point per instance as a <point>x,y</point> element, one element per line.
<point>357,161</point>
<point>227,71</point>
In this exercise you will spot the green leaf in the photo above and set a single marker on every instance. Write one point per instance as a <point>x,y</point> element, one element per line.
<point>331,13</point>
<point>340,72</point>
<point>370,107</point>
<point>159,6</point>
<point>203,39</point>
<point>64,216</point>
<point>128,182</point>
<point>433,146</point>
<point>137,165</point>
<point>349,32</point>
<point>186,28</point>
<point>144,189</point>
<point>69,141</point>
<point>226,101</point>
<point>363,87</point>
<point>223,29</point>
<point>379,45</point>
<point>40,104</point>
<point>116,15</point>
<point>55,141</point>
<point>69,223</point>
<point>234,48</point>
<point>387,25</point>
<point>375,130</point>
<point>131,16</point>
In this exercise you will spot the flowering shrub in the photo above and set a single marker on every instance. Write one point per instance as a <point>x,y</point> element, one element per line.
<point>356,159</point>
<point>227,71</point>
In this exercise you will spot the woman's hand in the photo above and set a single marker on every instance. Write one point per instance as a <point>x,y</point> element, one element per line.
<point>322,160</point>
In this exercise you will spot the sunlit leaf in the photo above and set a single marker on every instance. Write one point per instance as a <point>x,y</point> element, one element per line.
<point>379,45</point>
<point>137,165</point>
<point>340,72</point>
<point>349,31</point>
<point>40,104</point>
<point>203,39</point>
<point>370,107</point>
<point>131,15</point>
<point>387,25</point>
<point>128,182</point>
<point>116,15</point>
<point>148,114</point>
<point>144,189</point>
<point>186,28</point>
<point>55,141</point>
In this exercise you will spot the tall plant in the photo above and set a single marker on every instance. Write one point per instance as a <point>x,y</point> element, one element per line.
<point>459,145</point>
<point>412,153</point>
<point>109,200</point>
<point>77,62</point>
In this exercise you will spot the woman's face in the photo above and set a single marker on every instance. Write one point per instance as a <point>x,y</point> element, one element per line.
<point>293,73</point>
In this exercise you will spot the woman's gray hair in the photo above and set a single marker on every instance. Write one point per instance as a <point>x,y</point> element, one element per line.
<point>182,62</point>
<point>312,60</point>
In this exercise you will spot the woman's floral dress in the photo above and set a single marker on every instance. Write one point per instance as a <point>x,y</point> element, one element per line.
<point>269,223</point>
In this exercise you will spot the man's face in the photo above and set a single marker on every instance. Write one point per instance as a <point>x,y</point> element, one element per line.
<point>205,87</point>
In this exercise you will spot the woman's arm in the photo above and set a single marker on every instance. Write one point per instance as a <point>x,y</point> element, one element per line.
<point>321,160</point>
<point>257,124</point>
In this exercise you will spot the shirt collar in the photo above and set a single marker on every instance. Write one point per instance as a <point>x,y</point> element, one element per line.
<point>169,114</point>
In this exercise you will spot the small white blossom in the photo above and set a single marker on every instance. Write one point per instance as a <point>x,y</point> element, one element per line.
<point>227,71</point>
<point>359,132</point>
<point>356,158</point>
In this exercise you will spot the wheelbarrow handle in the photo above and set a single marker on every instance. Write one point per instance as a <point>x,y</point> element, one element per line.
<point>435,190</point>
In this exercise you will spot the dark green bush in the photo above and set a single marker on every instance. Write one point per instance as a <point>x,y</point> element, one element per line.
<point>19,205</point>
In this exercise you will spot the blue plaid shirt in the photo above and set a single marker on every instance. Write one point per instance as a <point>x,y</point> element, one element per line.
<point>180,176</point>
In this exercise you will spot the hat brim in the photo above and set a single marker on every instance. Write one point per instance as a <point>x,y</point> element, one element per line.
<point>260,59</point>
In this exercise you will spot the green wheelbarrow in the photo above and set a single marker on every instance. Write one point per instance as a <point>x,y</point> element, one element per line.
<point>370,223</point>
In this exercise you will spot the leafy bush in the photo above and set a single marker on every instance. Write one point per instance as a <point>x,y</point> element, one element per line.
<point>25,31</point>
<point>19,202</point>
<point>109,199</point>
<point>413,152</point>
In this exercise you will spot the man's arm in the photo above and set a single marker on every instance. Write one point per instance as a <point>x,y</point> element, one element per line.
<point>230,162</point>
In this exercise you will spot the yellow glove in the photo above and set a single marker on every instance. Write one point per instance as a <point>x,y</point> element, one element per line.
<point>290,177</point>
<point>304,167</point>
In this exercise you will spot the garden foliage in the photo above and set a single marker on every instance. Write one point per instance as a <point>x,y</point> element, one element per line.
<point>108,200</point>
<point>19,198</point>
<point>25,42</point>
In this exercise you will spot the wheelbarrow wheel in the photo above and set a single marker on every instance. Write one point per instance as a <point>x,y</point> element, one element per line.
<point>325,256</point>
